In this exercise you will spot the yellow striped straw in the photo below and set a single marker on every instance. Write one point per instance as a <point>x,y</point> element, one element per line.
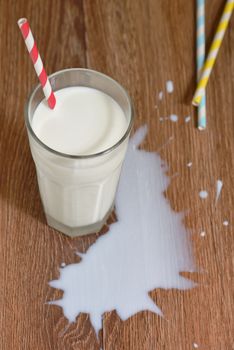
<point>213,52</point>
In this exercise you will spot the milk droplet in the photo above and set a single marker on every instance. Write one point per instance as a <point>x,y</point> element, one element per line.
<point>160,95</point>
<point>203,234</point>
<point>203,194</point>
<point>145,249</point>
<point>169,86</point>
<point>173,118</point>
<point>219,185</point>
<point>225,223</point>
<point>195,345</point>
<point>187,119</point>
<point>63,264</point>
<point>189,164</point>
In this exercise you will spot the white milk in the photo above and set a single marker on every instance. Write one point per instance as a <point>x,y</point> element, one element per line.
<point>84,121</point>
<point>147,248</point>
<point>78,192</point>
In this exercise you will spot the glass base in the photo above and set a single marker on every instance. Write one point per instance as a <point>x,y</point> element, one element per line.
<point>78,231</point>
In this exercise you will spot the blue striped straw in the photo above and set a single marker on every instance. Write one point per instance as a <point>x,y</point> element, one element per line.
<point>201,59</point>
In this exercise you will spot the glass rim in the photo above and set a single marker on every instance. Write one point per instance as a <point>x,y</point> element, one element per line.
<point>76,156</point>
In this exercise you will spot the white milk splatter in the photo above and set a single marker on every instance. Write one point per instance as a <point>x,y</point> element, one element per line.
<point>195,345</point>
<point>145,249</point>
<point>187,119</point>
<point>189,164</point>
<point>173,117</point>
<point>219,185</point>
<point>203,194</point>
<point>160,95</point>
<point>225,223</point>
<point>169,86</point>
<point>63,264</point>
<point>203,234</point>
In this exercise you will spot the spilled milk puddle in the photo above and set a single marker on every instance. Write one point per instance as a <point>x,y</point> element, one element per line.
<point>145,249</point>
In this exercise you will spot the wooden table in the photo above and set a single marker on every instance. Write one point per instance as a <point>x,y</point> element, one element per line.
<point>141,44</point>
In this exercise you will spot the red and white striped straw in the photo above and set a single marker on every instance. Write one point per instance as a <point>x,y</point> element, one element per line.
<point>37,62</point>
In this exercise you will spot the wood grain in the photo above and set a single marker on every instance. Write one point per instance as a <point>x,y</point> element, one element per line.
<point>141,44</point>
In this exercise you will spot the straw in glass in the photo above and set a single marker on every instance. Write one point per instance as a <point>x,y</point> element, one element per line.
<point>37,62</point>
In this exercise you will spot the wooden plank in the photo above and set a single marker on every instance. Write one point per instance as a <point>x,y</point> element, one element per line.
<point>141,44</point>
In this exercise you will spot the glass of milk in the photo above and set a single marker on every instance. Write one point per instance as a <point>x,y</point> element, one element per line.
<point>79,147</point>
